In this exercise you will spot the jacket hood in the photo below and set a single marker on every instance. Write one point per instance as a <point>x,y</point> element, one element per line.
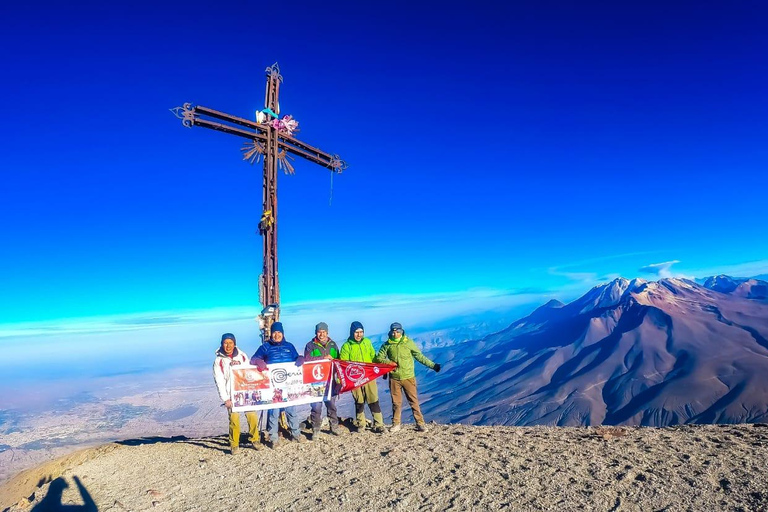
<point>353,327</point>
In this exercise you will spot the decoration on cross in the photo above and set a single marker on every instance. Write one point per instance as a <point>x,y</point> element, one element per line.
<point>253,151</point>
<point>283,164</point>
<point>266,221</point>
<point>186,113</point>
<point>337,164</point>
<point>287,125</point>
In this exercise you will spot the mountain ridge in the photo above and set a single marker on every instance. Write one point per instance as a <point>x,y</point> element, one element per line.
<point>629,352</point>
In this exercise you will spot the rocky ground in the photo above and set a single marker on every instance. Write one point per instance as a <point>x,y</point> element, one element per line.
<point>451,467</point>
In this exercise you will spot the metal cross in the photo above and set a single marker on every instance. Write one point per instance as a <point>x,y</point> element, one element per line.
<point>271,138</point>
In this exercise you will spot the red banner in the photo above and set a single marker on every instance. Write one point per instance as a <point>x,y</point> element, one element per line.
<point>351,374</point>
<point>316,371</point>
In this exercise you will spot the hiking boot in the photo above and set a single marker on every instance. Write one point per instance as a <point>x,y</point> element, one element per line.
<point>274,444</point>
<point>300,439</point>
<point>256,445</point>
<point>394,428</point>
<point>378,429</point>
<point>234,450</point>
<point>421,427</point>
<point>316,434</point>
<point>335,430</point>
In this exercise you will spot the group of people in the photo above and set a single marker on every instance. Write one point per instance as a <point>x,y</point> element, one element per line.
<point>398,349</point>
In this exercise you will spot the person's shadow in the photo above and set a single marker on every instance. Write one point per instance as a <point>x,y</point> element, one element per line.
<point>52,500</point>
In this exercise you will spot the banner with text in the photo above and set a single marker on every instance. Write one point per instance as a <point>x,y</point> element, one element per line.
<point>280,385</point>
<point>350,374</point>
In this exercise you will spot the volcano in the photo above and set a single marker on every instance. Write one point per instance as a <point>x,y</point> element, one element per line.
<point>629,352</point>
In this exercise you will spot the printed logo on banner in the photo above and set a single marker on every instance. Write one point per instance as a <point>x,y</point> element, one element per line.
<point>316,372</point>
<point>279,375</point>
<point>355,372</point>
<point>250,379</point>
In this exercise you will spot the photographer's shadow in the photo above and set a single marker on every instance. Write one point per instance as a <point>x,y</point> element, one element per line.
<point>52,500</point>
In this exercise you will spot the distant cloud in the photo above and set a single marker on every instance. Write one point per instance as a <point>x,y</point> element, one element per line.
<point>746,269</point>
<point>376,312</point>
<point>590,279</point>
<point>581,280</point>
<point>660,270</point>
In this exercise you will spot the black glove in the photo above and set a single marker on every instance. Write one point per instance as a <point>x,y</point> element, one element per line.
<point>299,361</point>
<point>385,376</point>
<point>437,367</point>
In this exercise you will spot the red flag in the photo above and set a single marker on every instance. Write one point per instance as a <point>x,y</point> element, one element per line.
<point>316,371</point>
<point>351,374</point>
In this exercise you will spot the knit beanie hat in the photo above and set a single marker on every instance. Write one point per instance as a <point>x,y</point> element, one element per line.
<point>396,326</point>
<point>277,327</point>
<point>322,326</point>
<point>228,336</point>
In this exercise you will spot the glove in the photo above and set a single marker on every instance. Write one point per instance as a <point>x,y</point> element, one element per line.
<point>259,363</point>
<point>437,367</point>
<point>384,376</point>
<point>299,360</point>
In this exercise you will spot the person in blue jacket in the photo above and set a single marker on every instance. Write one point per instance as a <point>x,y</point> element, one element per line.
<point>277,350</point>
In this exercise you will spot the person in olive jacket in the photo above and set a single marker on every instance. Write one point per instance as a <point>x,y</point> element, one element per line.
<point>401,350</point>
<point>358,348</point>
<point>322,347</point>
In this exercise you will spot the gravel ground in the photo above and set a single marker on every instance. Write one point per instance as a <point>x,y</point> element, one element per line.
<point>451,467</point>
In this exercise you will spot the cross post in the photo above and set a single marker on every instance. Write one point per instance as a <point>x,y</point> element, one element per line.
<point>272,138</point>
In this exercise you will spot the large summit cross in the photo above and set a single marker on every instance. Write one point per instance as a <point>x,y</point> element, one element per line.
<point>270,137</point>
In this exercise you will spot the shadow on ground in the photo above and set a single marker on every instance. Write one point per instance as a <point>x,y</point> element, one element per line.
<point>52,500</point>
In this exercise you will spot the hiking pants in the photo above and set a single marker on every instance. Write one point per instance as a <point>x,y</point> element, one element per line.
<point>367,394</point>
<point>316,417</point>
<point>408,386</point>
<point>273,420</point>
<point>234,428</point>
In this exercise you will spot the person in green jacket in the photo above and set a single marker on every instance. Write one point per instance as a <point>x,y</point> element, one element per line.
<point>360,349</point>
<point>400,349</point>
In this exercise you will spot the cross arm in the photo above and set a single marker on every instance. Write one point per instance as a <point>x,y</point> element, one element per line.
<point>296,147</point>
<point>191,116</point>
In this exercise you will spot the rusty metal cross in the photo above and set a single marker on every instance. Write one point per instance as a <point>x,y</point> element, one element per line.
<point>271,138</point>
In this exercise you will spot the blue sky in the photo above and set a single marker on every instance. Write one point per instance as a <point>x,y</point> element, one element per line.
<point>527,148</point>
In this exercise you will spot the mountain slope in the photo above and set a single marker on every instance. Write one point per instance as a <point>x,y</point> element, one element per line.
<point>628,352</point>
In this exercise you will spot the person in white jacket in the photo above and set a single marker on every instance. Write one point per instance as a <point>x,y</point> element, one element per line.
<point>227,356</point>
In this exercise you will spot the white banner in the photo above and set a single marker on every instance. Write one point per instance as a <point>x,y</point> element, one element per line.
<point>280,385</point>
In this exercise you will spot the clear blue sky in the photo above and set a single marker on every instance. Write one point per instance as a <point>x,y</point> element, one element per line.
<point>521,147</point>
